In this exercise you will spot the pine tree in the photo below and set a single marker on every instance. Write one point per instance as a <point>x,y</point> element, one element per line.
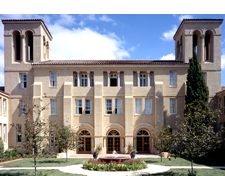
<point>196,85</point>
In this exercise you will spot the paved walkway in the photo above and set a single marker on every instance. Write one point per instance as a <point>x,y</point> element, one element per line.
<point>152,169</point>
<point>111,155</point>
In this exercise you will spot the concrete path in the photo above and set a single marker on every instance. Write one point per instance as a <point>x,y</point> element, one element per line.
<point>111,155</point>
<point>152,169</point>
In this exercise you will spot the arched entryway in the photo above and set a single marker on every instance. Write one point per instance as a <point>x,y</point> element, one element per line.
<point>143,141</point>
<point>86,142</point>
<point>113,141</point>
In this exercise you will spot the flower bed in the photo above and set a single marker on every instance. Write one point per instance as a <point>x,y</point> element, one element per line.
<point>130,165</point>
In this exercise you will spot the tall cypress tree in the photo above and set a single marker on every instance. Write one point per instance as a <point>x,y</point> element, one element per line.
<point>196,85</point>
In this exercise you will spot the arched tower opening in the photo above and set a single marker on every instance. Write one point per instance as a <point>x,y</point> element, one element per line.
<point>196,44</point>
<point>29,46</point>
<point>208,46</point>
<point>17,46</point>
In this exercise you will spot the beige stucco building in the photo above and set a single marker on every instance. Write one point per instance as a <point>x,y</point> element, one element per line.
<point>110,102</point>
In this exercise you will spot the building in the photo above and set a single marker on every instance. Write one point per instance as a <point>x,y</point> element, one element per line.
<point>4,118</point>
<point>221,106</point>
<point>114,102</point>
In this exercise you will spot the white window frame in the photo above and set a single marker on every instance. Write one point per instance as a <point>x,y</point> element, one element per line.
<point>118,107</point>
<point>18,133</point>
<point>142,80</point>
<point>138,106</point>
<point>88,107</point>
<point>53,79</point>
<point>53,107</point>
<point>23,80</point>
<point>173,107</point>
<point>173,78</point>
<point>78,105</point>
<point>22,107</point>
<point>84,80</point>
<point>75,79</point>
<point>134,79</point>
<point>108,106</point>
<point>148,107</point>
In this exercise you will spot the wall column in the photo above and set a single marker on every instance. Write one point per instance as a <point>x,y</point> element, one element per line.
<point>148,77</point>
<point>138,78</point>
<point>78,78</point>
<point>108,73</point>
<point>22,48</point>
<point>67,104</point>
<point>88,78</point>
<point>118,78</point>
<point>202,47</point>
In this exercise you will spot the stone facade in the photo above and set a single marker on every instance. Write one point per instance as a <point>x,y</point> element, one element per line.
<point>112,103</point>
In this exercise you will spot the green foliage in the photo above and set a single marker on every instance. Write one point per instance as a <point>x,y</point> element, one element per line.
<point>41,174</point>
<point>134,151</point>
<point>129,147</point>
<point>196,85</point>
<point>98,148</point>
<point>191,173</point>
<point>1,147</point>
<point>130,165</point>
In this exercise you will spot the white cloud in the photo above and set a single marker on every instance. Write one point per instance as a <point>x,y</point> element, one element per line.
<point>185,17</point>
<point>168,57</point>
<point>91,17</point>
<point>105,18</point>
<point>223,61</point>
<point>131,48</point>
<point>66,20</point>
<point>2,78</point>
<point>81,24</point>
<point>168,36</point>
<point>85,44</point>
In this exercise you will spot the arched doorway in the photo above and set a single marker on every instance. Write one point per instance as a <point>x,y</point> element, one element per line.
<point>86,142</point>
<point>143,144</point>
<point>113,141</point>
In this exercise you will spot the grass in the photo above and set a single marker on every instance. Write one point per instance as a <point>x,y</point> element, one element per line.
<point>50,162</point>
<point>22,172</point>
<point>185,162</point>
<point>184,172</point>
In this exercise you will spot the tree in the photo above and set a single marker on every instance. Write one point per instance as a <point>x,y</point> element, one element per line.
<point>196,135</point>
<point>67,138</point>
<point>196,85</point>
<point>163,139</point>
<point>36,135</point>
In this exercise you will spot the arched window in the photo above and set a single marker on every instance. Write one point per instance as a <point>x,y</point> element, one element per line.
<point>113,133</point>
<point>84,133</point>
<point>16,45</point>
<point>208,46</point>
<point>142,133</point>
<point>29,45</point>
<point>196,44</point>
<point>181,51</point>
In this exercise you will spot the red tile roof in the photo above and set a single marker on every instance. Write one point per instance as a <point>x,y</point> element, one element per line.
<point>7,94</point>
<point>110,62</point>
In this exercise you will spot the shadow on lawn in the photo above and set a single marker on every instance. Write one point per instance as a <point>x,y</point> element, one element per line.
<point>208,161</point>
<point>12,174</point>
<point>49,161</point>
<point>166,174</point>
<point>150,161</point>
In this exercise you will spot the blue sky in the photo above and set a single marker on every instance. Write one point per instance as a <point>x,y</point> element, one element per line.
<point>112,36</point>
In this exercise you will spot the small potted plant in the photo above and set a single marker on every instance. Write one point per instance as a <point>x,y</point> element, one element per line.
<point>132,155</point>
<point>129,148</point>
<point>98,149</point>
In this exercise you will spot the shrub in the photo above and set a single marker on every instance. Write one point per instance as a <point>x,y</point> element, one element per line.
<point>1,147</point>
<point>130,165</point>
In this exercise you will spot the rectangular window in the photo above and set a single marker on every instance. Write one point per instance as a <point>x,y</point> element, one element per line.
<point>113,80</point>
<point>142,80</point>
<point>23,107</point>
<point>53,79</point>
<point>75,80</point>
<point>23,81</point>
<point>137,106</point>
<point>92,80</point>
<point>118,107</point>
<point>4,107</point>
<point>78,106</point>
<point>18,133</point>
<point>87,106</point>
<point>53,107</point>
<point>173,79</point>
<point>105,80</point>
<point>121,79</point>
<point>151,79</point>
<point>172,106</point>
<point>4,133</point>
<point>148,106</point>
<point>83,80</point>
<point>134,79</point>
<point>108,106</point>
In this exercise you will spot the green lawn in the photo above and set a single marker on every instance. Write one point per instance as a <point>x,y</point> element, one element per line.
<point>184,172</point>
<point>31,173</point>
<point>185,162</point>
<point>50,162</point>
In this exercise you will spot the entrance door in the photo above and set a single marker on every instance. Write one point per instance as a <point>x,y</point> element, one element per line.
<point>85,143</point>
<point>113,142</point>
<point>143,142</point>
